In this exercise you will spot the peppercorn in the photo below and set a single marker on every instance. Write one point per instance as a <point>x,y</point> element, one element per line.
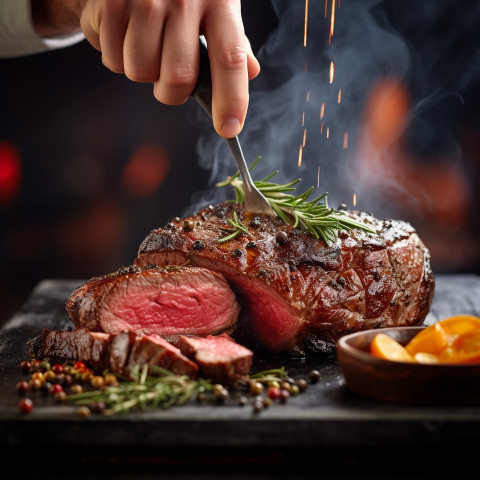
<point>38,376</point>
<point>48,375</point>
<point>302,384</point>
<point>55,388</point>
<point>110,379</point>
<point>34,384</point>
<point>284,395</point>
<point>273,392</point>
<point>285,386</point>
<point>237,253</point>
<point>97,381</point>
<point>274,383</point>
<point>256,387</point>
<point>45,388</point>
<point>314,376</point>
<point>251,244</point>
<point>76,388</point>
<point>98,407</point>
<point>67,379</point>
<point>58,368</point>
<point>243,400</point>
<point>60,397</point>
<point>294,390</point>
<point>258,405</point>
<point>22,387</point>
<point>281,237</point>
<point>83,411</point>
<point>187,225</point>
<point>80,366</point>
<point>221,395</point>
<point>26,366</point>
<point>198,245</point>
<point>25,405</point>
<point>45,366</point>
<point>255,223</point>
<point>267,401</point>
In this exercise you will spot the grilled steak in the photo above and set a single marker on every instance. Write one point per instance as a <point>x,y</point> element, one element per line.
<point>121,353</point>
<point>166,301</point>
<point>296,292</point>
<point>219,357</point>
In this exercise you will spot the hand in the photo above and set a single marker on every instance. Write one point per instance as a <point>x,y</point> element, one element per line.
<point>157,41</point>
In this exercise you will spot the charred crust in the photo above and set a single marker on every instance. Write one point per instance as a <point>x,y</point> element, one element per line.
<point>198,245</point>
<point>128,270</point>
<point>237,253</point>
<point>161,241</point>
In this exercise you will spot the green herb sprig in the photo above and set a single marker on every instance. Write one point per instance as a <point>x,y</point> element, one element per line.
<point>314,215</point>
<point>161,388</point>
<point>239,227</point>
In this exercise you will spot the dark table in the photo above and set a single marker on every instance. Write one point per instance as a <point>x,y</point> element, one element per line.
<point>327,430</point>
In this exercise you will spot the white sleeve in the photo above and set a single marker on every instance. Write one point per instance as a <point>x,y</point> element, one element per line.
<point>17,35</point>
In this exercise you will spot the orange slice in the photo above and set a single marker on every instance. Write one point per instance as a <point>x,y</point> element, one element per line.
<point>459,324</point>
<point>433,340</point>
<point>385,347</point>
<point>465,349</point>
<point>423,357</point>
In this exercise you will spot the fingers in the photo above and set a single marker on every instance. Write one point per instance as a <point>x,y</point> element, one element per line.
<point>143,42</point>
<point>179,57</point>
<point>158,42</point>
<point>228,52</point>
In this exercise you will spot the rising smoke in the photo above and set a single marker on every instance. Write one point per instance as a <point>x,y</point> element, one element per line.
<point>296,80</point>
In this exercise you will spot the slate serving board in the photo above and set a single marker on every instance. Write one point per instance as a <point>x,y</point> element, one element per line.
<point>326,418</point>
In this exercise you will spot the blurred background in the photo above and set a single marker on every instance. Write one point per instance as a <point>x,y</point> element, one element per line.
<point>375,102</point>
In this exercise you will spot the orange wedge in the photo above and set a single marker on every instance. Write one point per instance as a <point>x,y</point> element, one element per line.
<point>459,324</point>
<point>465,349</point>
<point>433,339</point>
<point>385,347</point>
<point>423,357</point>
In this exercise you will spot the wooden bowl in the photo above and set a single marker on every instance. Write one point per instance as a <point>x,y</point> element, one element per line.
<point>403,382</point>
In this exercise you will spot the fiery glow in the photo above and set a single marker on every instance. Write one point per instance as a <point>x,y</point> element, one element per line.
<point>318,176</point>
<point>326,7</point>
<point>308,96</point>
<point>305,24</point>
<point>300,151</point>
<point>322,110</point>
<point>339,99</point>
<point>328,132</point>
<point>332,22</point>
<point>354,199</point>
<point>321,127</point>
<point>304,138</point>
<point>345,140</point>
<point>303,118</point>
<point>332,71</point>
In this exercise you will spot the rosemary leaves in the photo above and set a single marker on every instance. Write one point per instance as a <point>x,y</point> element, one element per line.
<point>314,215</point>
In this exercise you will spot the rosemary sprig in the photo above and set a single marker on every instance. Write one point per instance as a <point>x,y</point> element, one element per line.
<point>161,389</point>
<point>265,376</point>
<point>239,227</point>
<point>314,215</point>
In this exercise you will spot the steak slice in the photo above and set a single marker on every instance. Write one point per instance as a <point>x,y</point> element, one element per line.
<point>296,292</point>
<point>124,353</point>
<point>154,350</point>
<point>93,348</point>
<point>219,357</point>
<point>168,301</point>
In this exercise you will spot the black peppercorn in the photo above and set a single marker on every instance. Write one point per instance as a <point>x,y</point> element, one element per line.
<point>314,376</point>
<point>281,237</point>
<point>255,223</point>
<point>237,253</point>
<point>251,244</point>
<point>198,245</point>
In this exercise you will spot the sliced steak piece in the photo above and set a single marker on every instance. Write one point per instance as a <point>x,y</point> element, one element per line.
<point>154,350</point>
<point>122,353</point>
<point>93,348</point>
<point>296,292</point>
<point>176,300</point>
<point>219,357</point>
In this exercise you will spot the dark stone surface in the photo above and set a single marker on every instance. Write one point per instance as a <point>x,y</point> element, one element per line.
<point>326,419</point>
